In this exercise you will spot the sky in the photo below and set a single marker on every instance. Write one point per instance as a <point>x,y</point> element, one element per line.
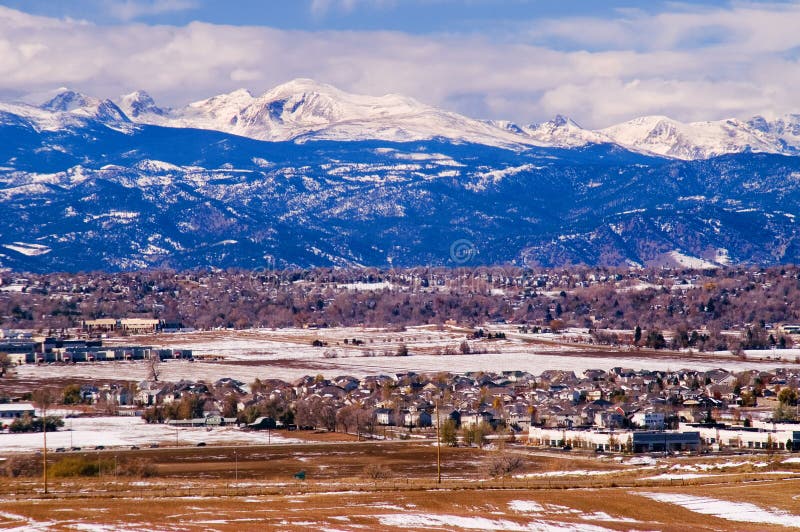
<point>598,62</point>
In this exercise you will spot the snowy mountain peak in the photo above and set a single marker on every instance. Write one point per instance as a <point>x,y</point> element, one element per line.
<point>139,103</point>
<point>301,86</point>
<point>563,132</point>
<point>564,121</point>
<point>303,110</point>
<point>695,140</point>
<point>80,105</point>
<point>68,100</point>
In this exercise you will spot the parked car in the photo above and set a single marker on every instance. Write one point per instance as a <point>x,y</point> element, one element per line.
<point>201,444</point>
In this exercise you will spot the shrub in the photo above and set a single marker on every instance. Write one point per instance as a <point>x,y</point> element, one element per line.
<point>80,466</point>
<point>377,472</point>
<point>505,465</point>
<point>137,467</point>
<point>27,423</point>
<point>22,466</point>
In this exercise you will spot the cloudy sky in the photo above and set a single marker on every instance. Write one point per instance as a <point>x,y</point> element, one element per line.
<point>600,62</point>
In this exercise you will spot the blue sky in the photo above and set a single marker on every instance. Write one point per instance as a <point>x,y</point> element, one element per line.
<point>412,16</point>
<point>522,60</point>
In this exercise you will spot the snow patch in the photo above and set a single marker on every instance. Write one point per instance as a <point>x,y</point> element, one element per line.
<point>742,512</point>
<point>31,250</point>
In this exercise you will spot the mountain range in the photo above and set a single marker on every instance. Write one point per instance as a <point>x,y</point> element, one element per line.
<point>308,175</point>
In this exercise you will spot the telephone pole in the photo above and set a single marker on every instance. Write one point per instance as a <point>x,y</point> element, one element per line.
<point>438,446</point>
<point>44,436</point>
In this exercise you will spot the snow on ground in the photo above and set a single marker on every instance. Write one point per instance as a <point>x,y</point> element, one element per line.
<point>534,362</point>
<point>570,473</point>
<point>530,507</point>
<point>677,476</point>
<point>742,512</point>
<point>126,431</point>
<point>688,261</point>
<point>715,465</point>
<point>449,522</point>
<point>28,249</point>
<point>288,354</point>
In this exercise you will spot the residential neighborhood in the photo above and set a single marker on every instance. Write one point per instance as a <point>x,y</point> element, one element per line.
<point>621,410</point>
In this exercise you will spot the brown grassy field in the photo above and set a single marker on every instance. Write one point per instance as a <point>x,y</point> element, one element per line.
<point>253,488</point>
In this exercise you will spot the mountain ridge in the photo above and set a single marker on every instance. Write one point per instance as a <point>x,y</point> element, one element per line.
<point>304,110</point>
<point>83,188</point>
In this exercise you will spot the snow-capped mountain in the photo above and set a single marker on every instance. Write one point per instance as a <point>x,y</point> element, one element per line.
<point>83,106</point>
<point>67,109</point>
<point>83,188</point>
<point>563,132</point>
<point>303,109</point>
<point>660,135</point>
<point>139,104</point>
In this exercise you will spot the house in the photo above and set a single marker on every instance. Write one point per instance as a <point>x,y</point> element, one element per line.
<point>453,415</point>
<point>470,419</point>
<point>416,418</point>
<point>15,410</point>
<point>148,392</point>
<point>649,420</point>
<point>384,416</point>
<point>262,423</point>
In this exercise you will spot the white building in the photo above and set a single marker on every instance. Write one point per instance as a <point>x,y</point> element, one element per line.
<point>649,420</point>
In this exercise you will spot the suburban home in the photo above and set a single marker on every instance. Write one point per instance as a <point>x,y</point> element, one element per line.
<point>416,418</point>
<point>15,410</point>
<point>384,416</point>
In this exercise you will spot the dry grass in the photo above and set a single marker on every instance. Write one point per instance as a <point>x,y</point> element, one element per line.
<point>197,488</point>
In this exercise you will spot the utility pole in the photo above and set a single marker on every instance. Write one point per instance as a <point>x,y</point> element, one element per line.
<point>44,436</point>
<point>438,446</point>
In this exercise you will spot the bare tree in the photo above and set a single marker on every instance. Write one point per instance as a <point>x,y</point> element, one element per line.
<point>502,466</point>
<point>153,367</point>
<point>5,364</point>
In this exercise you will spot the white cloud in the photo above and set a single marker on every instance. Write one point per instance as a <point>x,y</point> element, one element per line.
<point>319,8</point>
<point>744,62</point>
<point>134,9</point>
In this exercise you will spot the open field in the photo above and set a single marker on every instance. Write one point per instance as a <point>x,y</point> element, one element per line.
<point>252,487</point>
<point>288,354</point>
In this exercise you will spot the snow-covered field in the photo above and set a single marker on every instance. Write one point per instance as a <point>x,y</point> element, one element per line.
<point>448,522</point>
<point>109,432</point>
<point>730,510</point>
<point>314,363</point>
<point>288,354</point>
